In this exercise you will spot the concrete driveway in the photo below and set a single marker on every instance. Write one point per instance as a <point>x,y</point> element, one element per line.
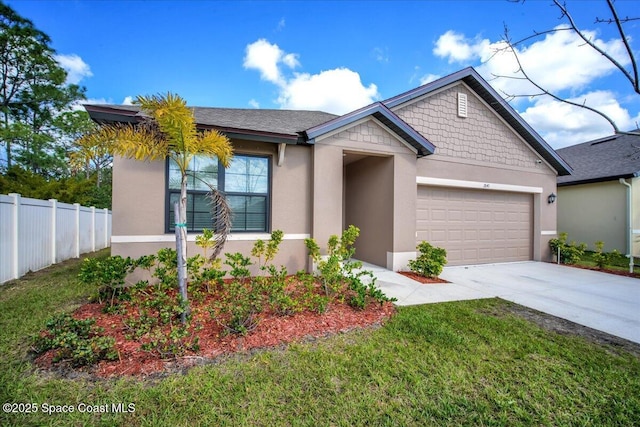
<point>600,301</point>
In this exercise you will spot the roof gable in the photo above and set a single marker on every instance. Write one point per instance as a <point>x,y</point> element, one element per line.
<point>480,137</point>
<point>476,83</point>
<point>385,116</point>
<point>604,159</point>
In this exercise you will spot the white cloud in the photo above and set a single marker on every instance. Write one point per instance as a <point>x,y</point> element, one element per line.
<point>75,67</point>
<point>281,24</point>
<point>428,78</point>
<point>561,124</point>
<point>266,57</point>
<point>574,64</point>
<point>97,101</point>
<point>128,100</point>
<point>254,104</point>
<point>337,91</point>
<point>457,48</point>
<point>561,63</point>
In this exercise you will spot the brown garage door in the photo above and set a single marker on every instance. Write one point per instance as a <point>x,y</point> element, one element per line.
<point>476,226</point>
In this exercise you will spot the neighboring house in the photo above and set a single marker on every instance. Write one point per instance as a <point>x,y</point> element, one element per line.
<point>449,162</point>
<point>592,203</point>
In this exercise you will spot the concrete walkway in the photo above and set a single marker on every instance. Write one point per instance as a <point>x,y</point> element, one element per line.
<point>601,301</point>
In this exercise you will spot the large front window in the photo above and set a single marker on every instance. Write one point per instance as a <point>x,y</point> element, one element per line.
<point>245,183</point>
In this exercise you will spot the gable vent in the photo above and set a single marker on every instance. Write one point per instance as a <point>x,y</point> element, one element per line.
<point>462,105</point>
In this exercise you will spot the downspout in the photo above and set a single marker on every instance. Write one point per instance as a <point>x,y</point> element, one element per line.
<point>629,224</point>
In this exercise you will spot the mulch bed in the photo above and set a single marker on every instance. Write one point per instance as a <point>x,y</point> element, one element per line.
<point>422,279</point>
<point>606,270</point>
<point>272,331</point>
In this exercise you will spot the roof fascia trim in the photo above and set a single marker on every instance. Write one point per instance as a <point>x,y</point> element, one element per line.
<point>600,179</point>
<point>110,114</point>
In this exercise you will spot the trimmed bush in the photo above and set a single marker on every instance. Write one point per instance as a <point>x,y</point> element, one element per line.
<point>430,262</point>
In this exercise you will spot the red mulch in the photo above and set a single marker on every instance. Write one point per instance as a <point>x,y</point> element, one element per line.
<point>422,279</point>
<point>272,330</point>
<point>606,270</point>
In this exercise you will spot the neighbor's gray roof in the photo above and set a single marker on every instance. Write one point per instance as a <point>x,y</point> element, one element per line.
<point>604,159</point>
<point>277,124</point>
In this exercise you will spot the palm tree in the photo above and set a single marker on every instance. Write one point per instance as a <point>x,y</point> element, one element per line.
<point>169,131</point>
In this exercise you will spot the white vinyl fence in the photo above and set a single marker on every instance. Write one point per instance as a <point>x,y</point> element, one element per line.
<point>37,233</point>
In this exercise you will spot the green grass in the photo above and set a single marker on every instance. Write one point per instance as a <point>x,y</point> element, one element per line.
<point>463,363</point>
<point>619,262</point>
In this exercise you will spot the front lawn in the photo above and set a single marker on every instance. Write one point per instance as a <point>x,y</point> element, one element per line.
<point>463,363</point>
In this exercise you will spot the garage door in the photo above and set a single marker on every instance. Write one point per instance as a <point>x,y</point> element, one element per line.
<point>476,226</point>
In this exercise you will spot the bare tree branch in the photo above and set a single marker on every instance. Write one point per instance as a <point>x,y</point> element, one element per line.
<point>625,40</point>
<point>625,72</point>
<point>632,77</point>
<point>553,95</point>
<point>613,21</point>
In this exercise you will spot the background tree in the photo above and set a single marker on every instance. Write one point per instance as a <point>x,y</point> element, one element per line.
<point>629,73</point>
<point>72,189</point>
<point>170,132</point>
<point>89,153</point>
<point>33,92</point>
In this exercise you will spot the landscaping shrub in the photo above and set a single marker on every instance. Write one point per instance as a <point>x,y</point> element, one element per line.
<point>430,262</point>
<point>76,341</point>
<point>341,277</point>
<point>603,259</point>
<point>107,275</point>
<point>570,253</point>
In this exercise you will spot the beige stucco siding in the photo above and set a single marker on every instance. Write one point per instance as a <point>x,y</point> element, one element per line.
<point>138,197</point>
<point>368,190</point>
<point>635,202</point>
<point>139,206</point>
<point>595,212</point>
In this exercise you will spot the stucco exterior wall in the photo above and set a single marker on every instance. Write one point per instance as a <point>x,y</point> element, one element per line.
<point>139,206</point>
<point>337,203</point>
<point>482,149</point>
<point>368,190</point>
<point>592,212</point>
<point>635,202</point>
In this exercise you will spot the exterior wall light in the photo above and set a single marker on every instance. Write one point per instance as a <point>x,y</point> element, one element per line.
<point>551,198</point>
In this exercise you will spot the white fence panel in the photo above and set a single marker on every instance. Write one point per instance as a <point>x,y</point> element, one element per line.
<point>34,234</point>
<point>6,238</point>
<point>65,232</point>
<point>86,227</point>
<point>102,226</point>
<point>37,233</point>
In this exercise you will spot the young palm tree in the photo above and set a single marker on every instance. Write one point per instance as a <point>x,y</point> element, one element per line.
<point>170,131</point>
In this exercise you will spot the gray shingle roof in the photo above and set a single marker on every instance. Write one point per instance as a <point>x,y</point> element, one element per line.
<point>604,159</point>
<point>276,122</point>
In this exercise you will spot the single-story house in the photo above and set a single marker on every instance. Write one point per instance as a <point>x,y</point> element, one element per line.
<point>594,202</point>
<point>449,162</point>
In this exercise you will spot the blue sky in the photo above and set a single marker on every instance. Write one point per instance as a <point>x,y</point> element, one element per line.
<point>336,55</point>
